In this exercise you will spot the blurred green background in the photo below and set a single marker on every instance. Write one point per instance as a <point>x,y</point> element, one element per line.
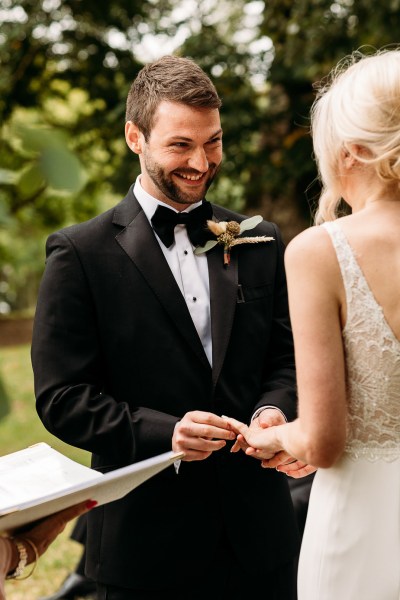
<point>66,67</point>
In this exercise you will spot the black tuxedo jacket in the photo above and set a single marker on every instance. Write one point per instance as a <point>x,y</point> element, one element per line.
<point>117,362</point>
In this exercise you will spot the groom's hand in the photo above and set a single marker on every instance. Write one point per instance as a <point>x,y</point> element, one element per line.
<point>287,464</point>
<point>198,434</point>
<point>269,417</point>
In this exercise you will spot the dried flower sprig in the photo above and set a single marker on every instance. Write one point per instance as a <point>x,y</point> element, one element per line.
<point>227,233</point>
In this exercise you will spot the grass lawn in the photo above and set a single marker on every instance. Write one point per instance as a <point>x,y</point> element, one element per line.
<point>21,428</point>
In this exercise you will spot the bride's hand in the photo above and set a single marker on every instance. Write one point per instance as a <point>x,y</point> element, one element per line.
<point>257,441</point>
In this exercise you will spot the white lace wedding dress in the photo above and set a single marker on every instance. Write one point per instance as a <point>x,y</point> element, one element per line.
<point>351,543</point>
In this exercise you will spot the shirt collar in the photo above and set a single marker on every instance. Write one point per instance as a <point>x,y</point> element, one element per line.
<point>149,203</point>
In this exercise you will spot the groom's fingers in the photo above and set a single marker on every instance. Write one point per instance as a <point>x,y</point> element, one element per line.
<point>279,459</point>
<point>297,469</point>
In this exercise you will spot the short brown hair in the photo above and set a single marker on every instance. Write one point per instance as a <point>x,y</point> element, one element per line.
<point>171,78</point>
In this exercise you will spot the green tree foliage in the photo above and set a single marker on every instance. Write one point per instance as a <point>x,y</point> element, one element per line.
<point>72,60</point>
<point>66,69</point>
<point>309,38</point>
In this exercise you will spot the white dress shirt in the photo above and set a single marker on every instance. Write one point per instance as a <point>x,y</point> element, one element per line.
<point>190,270</point>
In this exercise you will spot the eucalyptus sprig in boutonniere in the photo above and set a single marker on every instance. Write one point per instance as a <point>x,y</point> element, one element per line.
<point>228,232</point>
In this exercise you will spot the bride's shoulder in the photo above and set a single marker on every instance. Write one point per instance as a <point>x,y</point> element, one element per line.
<point>311,257</point>
<point>309,243</point>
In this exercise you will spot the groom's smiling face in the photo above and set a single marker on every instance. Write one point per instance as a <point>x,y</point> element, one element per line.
<point>183,153</point>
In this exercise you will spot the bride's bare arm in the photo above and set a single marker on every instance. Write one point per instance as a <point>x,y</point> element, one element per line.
<point>316,302</point>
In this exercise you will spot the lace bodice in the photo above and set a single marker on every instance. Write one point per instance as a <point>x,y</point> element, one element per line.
<point>372,354</point>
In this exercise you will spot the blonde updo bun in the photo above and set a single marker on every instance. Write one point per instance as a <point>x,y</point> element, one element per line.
<point>359,105</point>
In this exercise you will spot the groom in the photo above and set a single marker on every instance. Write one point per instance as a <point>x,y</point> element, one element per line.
<point>140,345</point>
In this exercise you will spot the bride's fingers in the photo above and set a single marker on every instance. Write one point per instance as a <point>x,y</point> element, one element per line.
<point>263,455</point>
<point>237,446</point>
<point>236,425</point>
<point>240,444</point>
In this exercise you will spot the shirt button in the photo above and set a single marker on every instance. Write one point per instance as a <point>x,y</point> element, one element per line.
<point>185,252</point>
<point>194,299</point>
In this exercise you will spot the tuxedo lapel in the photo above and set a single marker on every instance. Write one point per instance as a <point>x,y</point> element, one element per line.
<point>138,241</point>
<point>223,297</point>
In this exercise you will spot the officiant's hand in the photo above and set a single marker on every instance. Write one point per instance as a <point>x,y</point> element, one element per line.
<point>37,537</point>
<point>44,532</point>
<point>198,434</point>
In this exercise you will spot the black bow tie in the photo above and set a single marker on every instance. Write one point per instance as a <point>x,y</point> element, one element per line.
<point>165,219</point>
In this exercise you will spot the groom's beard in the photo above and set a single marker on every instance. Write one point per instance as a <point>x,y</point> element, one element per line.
<point>170,189</point>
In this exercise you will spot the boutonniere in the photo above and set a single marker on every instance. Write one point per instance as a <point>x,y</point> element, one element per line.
<point>228,232</point>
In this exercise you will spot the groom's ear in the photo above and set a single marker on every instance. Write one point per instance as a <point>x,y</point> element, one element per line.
<point>133,137</point>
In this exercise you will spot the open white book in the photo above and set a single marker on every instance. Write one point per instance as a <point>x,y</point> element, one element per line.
<point>39,481</point>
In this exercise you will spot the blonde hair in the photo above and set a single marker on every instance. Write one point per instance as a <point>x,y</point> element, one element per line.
<point>359,105</point>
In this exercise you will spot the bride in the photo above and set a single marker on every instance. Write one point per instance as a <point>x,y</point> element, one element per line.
<point>344,289</point>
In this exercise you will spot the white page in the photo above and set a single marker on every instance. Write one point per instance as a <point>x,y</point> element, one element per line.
<point>102,488</point>
<point>37,471</point>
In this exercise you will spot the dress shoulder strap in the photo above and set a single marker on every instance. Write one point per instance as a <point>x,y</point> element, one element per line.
<point>350,270</point>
